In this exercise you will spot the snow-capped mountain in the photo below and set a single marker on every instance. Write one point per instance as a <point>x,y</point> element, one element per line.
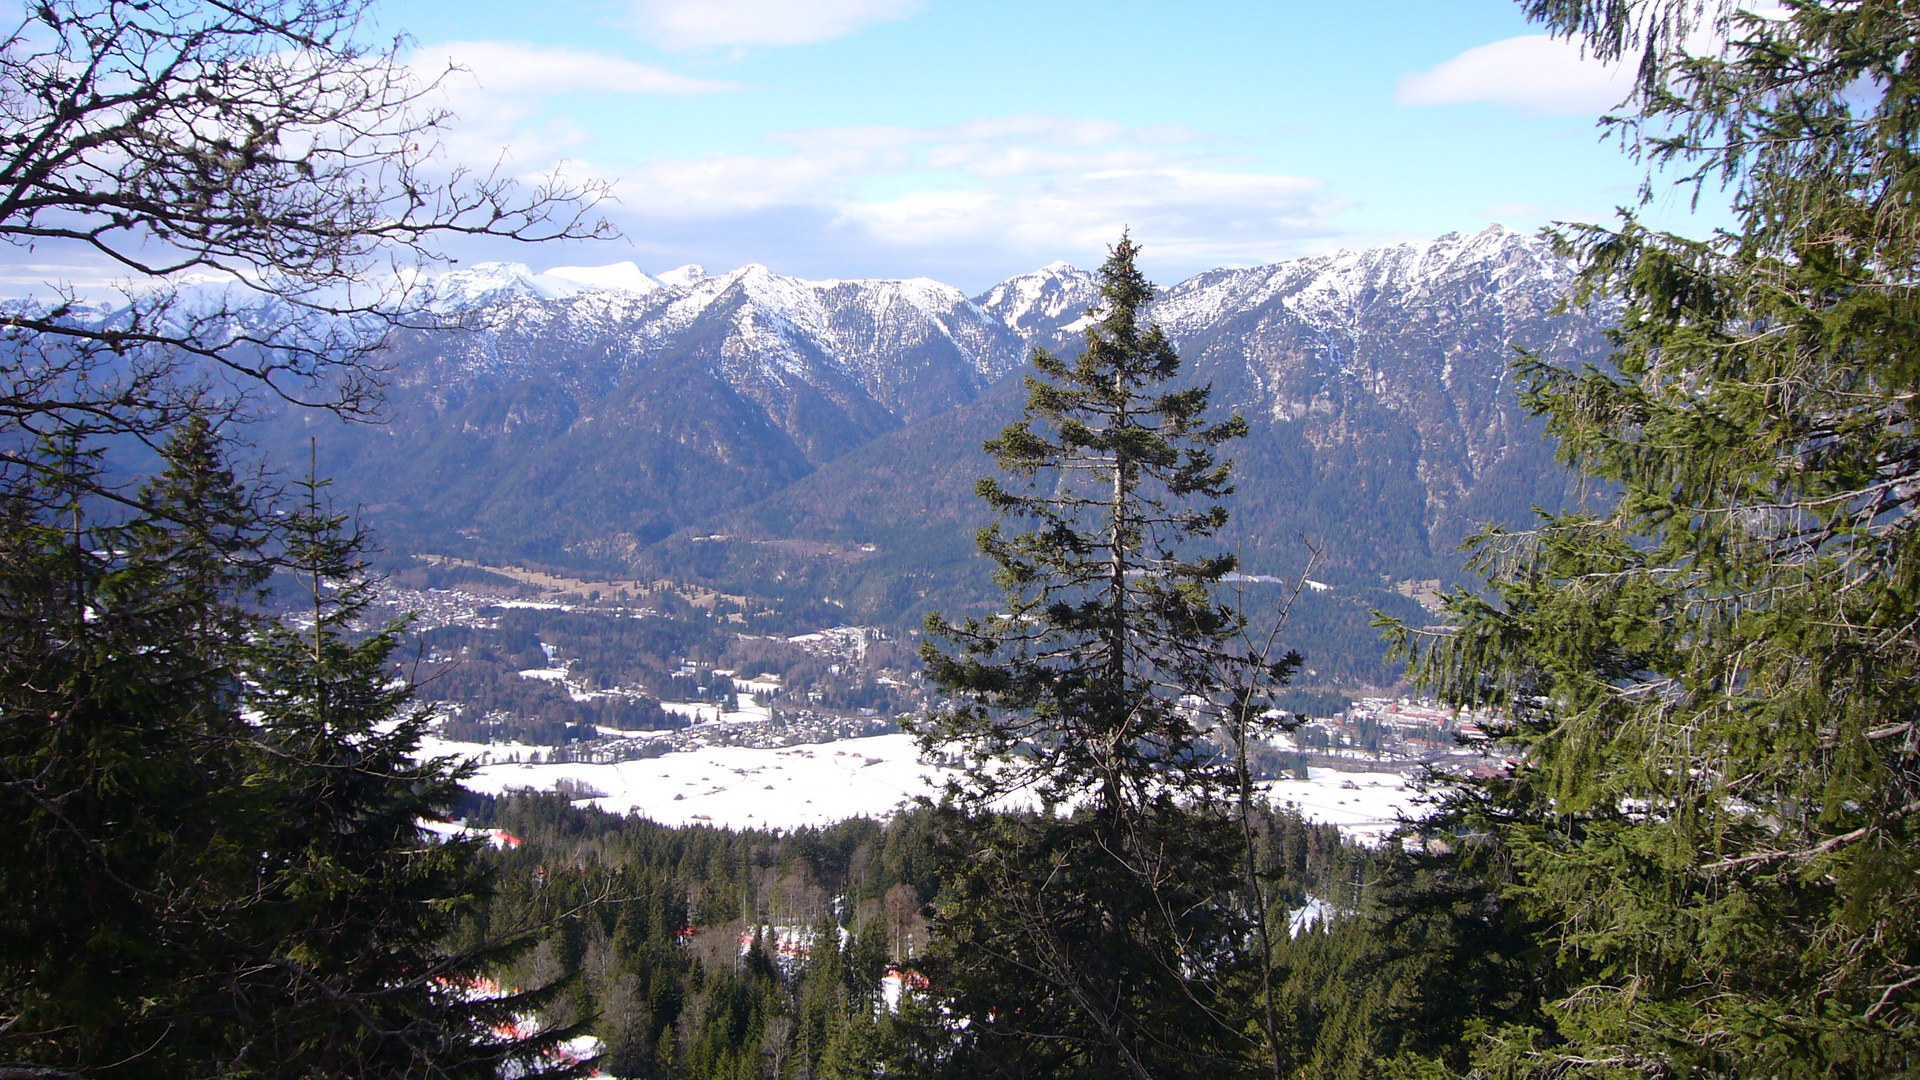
<point>1045,306</point>
<point>497,282</point>
<point>1399,358</point>
<point>1384,421</point>
<point>1332,292</point>
<point>597,410</point>
<point>906,348</point>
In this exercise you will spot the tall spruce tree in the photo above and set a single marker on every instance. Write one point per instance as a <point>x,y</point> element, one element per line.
<point>125,862</point>
<point>212,864</point>
<point>355,916</point>
<point>1711,684</point>
<point>1096,935</point>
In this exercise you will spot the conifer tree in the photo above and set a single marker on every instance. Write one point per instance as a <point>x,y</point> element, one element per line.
<point>212,864</point>
<point>359,907</point>
<point>126,862</point>
<point>1711,683</point>
<point>1097,935</point>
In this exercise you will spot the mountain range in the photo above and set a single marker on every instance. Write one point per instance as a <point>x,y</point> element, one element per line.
<point>758,428</point>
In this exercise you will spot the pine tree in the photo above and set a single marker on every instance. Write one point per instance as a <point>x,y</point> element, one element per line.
<point>358,907</point>
<point>127,856</point>
<point>211,864</point>
<point>1711,683</point>
<point>1096,935</point>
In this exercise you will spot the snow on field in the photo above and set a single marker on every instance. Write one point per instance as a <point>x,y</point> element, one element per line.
<point>738,786</point>
<point>702,712</point>
<point>1363,805</point>
<point>821,783</point>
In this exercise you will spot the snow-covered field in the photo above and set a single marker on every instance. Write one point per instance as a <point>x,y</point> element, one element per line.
<point>1364,805</point>
<point>736,786</point>
<point>822,783</point>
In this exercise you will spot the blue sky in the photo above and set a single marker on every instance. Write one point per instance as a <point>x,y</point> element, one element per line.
<point>972,141</point>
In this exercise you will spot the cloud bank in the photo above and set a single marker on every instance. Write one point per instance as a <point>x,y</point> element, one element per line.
<point>1542,75</point>
<point>972,201</point>
<point>1007,192</point>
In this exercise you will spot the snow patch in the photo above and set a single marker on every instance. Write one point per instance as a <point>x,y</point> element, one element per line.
<point>683,276</point>
<point>616,277</point>
<point>1304,918</point>
<point>1364,805</point>
<point>738,787</point>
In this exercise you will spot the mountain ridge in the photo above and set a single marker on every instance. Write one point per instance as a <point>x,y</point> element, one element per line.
<point>591,422</point>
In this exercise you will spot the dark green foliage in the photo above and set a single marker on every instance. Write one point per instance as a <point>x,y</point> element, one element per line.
<point>212,864</point>
<point>1110,617</point>
<point>1417,951</point>
<point>1102,933</point>
<point>1420,950</point>
<point>681,941</point>
<point>1063,957</point>
<point>122,767</point>
<point>359,905</point>
<point>1712,684</point>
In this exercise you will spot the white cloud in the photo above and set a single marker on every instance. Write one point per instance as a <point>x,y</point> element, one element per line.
<point>973,201</point>
<point>501,67</point>
<point>834,165</point>
<point>1195,215</point>
<point>1543,75</point>
<point>692,24</point>
<point>1010,188</point>
<point>500,93</point>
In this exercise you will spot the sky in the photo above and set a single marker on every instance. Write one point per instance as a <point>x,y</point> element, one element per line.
<point>969,142</point>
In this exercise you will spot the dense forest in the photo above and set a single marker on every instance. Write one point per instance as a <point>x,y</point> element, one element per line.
<point>705,953</point>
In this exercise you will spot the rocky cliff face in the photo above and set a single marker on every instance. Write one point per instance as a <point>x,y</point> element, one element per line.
<point>1390,370</point>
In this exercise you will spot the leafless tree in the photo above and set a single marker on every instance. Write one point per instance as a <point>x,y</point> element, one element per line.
<point>264,183</point>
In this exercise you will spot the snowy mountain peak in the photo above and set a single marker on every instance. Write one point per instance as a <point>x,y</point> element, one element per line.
<point>684,275</point>
<point>909,347</point>
<point>615,277</point>
<point>1330,289</point>
<point>1029,303</point>
<point>488,281</point>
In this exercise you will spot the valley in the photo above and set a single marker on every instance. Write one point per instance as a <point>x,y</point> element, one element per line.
<point>642,519</point>
<point>805,731</point>
<point>803,454</point>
